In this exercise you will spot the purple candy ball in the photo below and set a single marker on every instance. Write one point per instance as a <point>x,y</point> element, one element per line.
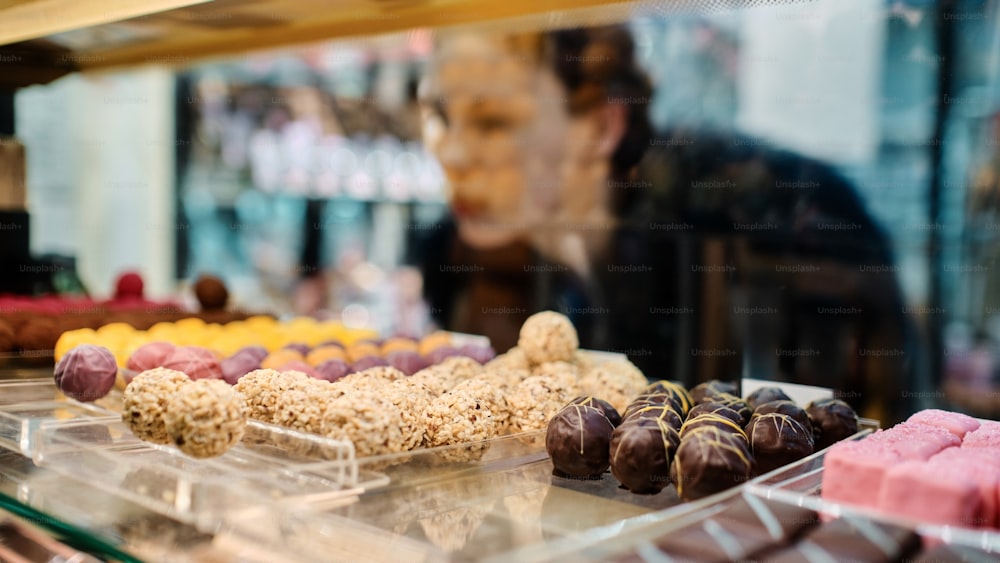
<point>478,352</point>
<point>239,364</point>
<point>299,347</point>
<point>442,353</point>
<point>336,343</point>
<point>86,372</point>
<point>407,361</point>
<point>332,370</point>
<point>256,352</point>
<point>368,362</point>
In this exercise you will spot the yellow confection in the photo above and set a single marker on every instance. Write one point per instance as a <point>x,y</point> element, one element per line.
<point>190,323</point>
<point>278,358</point>
<point>162,331</point>
<point>357,351</point>
<point>261,322</point>
<point>319,355</point>
<point>72,338</point>
<point>433,341</point>
<point>398,344</point>
<point>116,329</point>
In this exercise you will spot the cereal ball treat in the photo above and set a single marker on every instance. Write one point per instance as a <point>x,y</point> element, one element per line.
<point>412,401</point>
<point>145,399</point>
<point>458,368</point>
<point>368,420</point>
<point>535,401</point>
<point>262,390</point>
<point>617,382</point>
<point>504,378</point>
<point>371,378</point>
<point>515,358</point>
<point>205,418</point>
<point>492,395</point>
<point>459,417</point>
<point>302,408</point>
<point>548,337</point>
<point>567,374</point>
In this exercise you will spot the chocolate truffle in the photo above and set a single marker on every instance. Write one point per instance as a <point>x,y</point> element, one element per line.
<point>777,440</point>
<point>710,460</point>
<point>642,450</point>
<point>578,439</point>
<point>784,407</point>
<point>705,391</point>
<point>407,361</point>
<point>735,403</point>
<point>149,356</point>
<point>205,418</point>
<point>665,413</point>
<point>832,420</point>
<point>766,395</point>
<point>683,398</point>
<point>6,338</point>
<point>715,421</point>
<point>605,407</point>
<point>86,372</point>
<point>238,365</point>
<point>195,361</point>
<point>211,293</point>
<point>716,409</point>
<point>669,399</point>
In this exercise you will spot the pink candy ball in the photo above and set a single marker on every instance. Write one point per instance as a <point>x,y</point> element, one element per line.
<point>196,362</point>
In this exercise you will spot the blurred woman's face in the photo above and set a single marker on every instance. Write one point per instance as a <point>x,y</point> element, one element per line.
<point>501,130</point>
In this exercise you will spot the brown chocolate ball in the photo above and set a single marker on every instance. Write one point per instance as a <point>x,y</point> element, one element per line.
<point>766,395</point>
<point>6,338</point>
<point>39,334</point>
<point>86,372</point>
<point>716,409</point>
<point>211,293</point>
<point>784,407</point>
<point>681,396</point>
<point>709,461</point>
<point>578,440</point>
<point>642,450</point>
<point>735,403</point>
<point>601,405</point>
<point>665,413</point>
<point>832,421</point>
<point>714,421</point>
<point>778,439</point>
<point>703,392</point>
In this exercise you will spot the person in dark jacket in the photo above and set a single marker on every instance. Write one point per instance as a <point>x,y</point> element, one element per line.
<point>698,254</point>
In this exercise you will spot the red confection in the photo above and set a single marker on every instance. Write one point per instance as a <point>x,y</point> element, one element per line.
<point>957,423</point>
<point>979,466</point>
<point>332,370</point>
<point>407,361</point>
<point>853,472</point>
<point>931,492</point>
<point>86,372</point>
<point>196,362</point>
<point>367,362</point>
<point>149,356</point>
<point>988,436</point>
<point>129,286</point>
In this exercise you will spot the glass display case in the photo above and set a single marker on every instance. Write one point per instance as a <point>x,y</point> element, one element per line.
<point>796,192</point>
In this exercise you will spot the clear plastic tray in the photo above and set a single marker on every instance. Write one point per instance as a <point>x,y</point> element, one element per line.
<point>20,422</point>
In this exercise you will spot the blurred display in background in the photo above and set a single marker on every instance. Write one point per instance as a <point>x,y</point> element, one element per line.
<point>301,177</point>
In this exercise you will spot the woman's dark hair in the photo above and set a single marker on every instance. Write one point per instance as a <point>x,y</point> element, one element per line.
<point>597,65</point>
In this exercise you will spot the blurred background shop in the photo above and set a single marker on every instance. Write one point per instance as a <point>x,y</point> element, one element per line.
<point>300,177</point>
